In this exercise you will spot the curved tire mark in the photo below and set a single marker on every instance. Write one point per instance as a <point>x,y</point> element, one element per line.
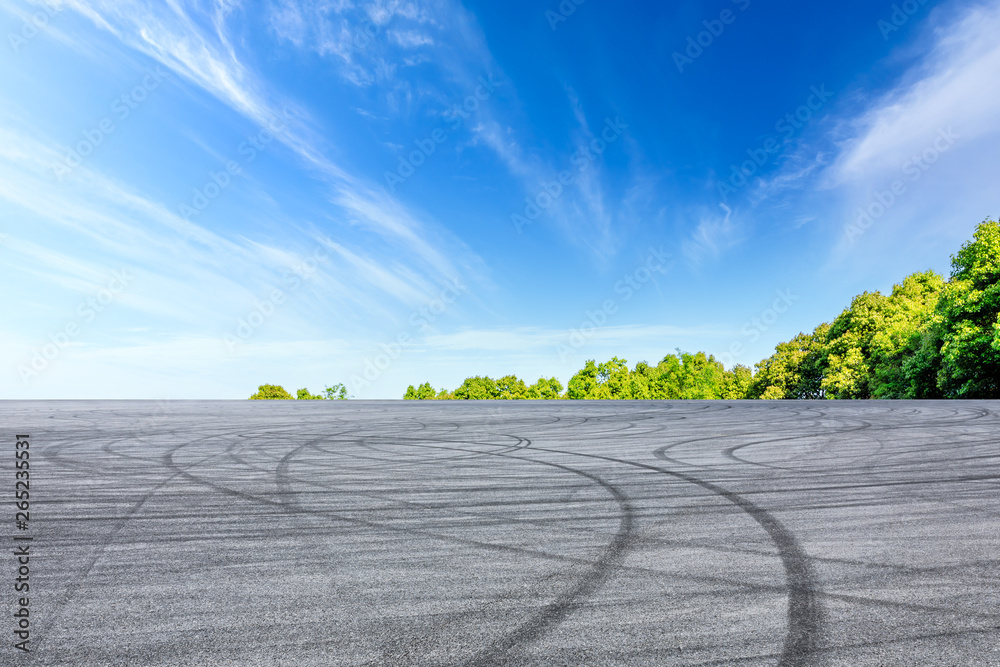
<point>805,612</point>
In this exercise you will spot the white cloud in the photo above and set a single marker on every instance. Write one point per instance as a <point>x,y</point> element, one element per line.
<point>174,37</point>
<point>952,88</point>
<point>934,137</point>
<point>410,39</point>
<point>712,237</point>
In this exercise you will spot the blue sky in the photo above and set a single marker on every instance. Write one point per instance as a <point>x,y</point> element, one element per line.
<point>197,198</point>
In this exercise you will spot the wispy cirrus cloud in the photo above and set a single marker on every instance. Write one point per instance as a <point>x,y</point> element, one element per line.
<point>192,41</point>
<point>369,40</point>
<point>945,89</point>
<point>929,132</point>
<point>714,235</point>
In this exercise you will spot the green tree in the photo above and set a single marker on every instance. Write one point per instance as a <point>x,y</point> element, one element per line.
<point>870,342</point>
<point>910,311</point>
<point>702,377</point>
<point>545,389</point>
<point>847,375</point>
<point>737,383</point>
<point>666,378</point>
<point>850,359</point>
<point>424,392</point>
<point>968,327</point>
<point>337,392</point>
<point>773,393</point>
<point>510,387</point>
<point>478,388</point>
<point>304,395</point>
<point>640,380</point>
<point>795,370</point>
<point>271,392</point>
<point>584,382</point>
<point>612,380</point>
<point>922,365</point>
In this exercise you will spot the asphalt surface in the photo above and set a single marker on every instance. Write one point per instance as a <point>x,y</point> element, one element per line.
<point>524,533</point>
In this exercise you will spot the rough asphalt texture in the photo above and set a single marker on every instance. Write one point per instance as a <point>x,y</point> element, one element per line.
<point>522,533</point>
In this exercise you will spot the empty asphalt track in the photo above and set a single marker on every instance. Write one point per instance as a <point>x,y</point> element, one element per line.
<point>523,533</point>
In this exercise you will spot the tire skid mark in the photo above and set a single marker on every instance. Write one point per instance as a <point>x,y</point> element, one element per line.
<point>549,616</point>
<point>600,570</point>
<point>297,509</point>
<point>109,537</point>
<point>730,453</point>
<point>805,612</point>
<point>554,613</point>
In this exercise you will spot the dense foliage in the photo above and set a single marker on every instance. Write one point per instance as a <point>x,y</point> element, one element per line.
<point>277,392</point>
<point>479,388</point>
<point>271,392</point>
<point>929,338</point>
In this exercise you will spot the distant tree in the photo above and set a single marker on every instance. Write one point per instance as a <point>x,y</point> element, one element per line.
<point>686,376</point>
<point>773,393</point>
<point>910,311</point>
<point>795,370</point>
<point>737,383</point>
<point>613,380</point>
<point>545,389</point>
<point>510,387</point>
<point>639,381</point>
<point>478,388</point>
<point>337,392</point>
<point>702,377</point>
<point>424,392</point>
<point>271,392</point>
<point>583,384</point>
<point>665,379</point>
<point>921,367</point>
<point>304,395</point>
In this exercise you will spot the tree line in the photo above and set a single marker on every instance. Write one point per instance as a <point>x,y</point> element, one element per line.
<point>930,337</point>
<point>272,392</point>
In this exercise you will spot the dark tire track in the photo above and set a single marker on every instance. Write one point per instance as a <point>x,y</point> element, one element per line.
<point>805,611</point>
